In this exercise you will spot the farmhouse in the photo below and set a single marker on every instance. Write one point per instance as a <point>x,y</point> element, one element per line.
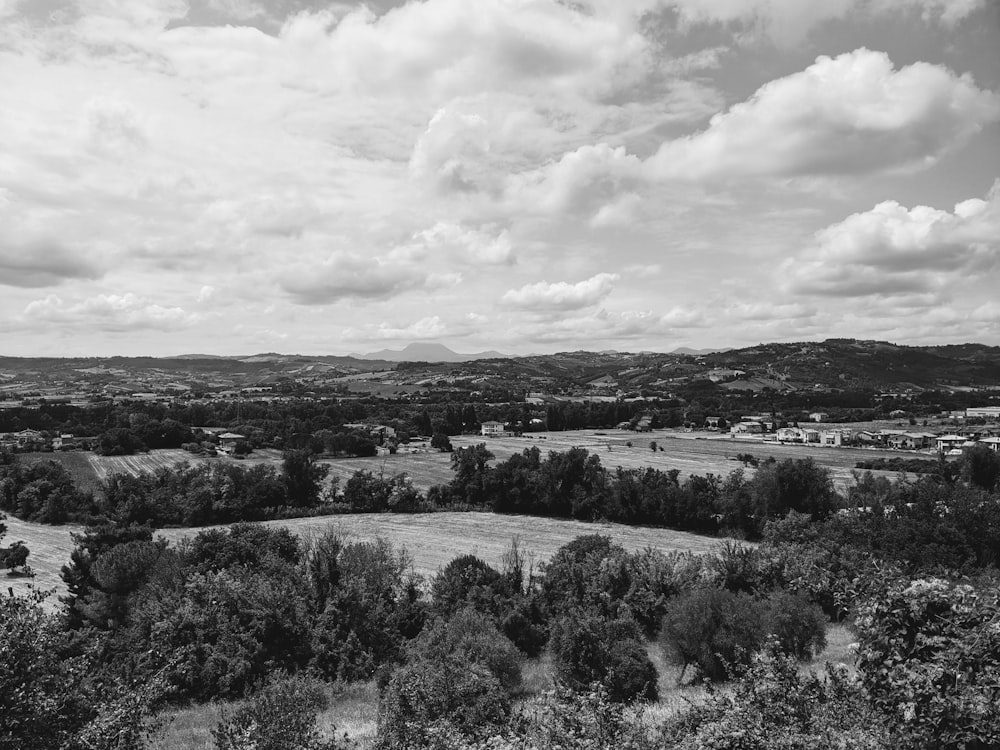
<point>492,429</point>
<point>747,428</point>
<point>229,440</point>
<point>819,416</point>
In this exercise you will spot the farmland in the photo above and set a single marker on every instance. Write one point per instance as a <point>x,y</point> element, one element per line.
<point>140,463</point>
<point>431,539</point>
<point>690,453</point>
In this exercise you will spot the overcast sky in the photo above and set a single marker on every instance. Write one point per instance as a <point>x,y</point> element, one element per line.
<point>238,176</point>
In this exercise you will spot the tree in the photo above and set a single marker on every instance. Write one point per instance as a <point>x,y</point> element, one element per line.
<point>303,478</point>
<point>981,467</point>
<point>52,696</point>
<point>440,441</point>
<point>713,630</point>
<point>588,648</point>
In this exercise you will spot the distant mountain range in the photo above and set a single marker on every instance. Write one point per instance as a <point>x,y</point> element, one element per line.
<point>428,352</point>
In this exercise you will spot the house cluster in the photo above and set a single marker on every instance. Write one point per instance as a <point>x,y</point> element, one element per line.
<point>751,427</point>
<point>33,440</point>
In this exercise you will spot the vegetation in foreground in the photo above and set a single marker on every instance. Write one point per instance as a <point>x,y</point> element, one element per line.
<point>254,612</point>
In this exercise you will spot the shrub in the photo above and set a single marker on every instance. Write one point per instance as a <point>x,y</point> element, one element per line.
<point>424,695</point>
<point>468,580</point>
<point>472,636</point>
<point>930,659</point>
<point>280,716</point>
<point>773,707</point>
<point>714,630</point>
<point>589,649</point>
<point>797,625</point>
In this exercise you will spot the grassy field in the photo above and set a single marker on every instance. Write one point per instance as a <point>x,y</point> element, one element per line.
<point>50,547</point>
<point>690,453</point>
<point>434,539</point>
<point>353,709</point>
<point>431,540</point>
<point>139,463</point>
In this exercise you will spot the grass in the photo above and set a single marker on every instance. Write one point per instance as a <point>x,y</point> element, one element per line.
<point>353,708</point>
<point>50,547</point>
<point>688,452</point>
<point>434,539</point>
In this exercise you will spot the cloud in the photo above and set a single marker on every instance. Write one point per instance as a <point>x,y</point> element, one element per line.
<point>346,275</point>
<point>851,114</point>
<point>892,250</point>
<point>788,22</point>
<point>561,296</point>
<point>452,152</point>
<point>431,327</point>
<point>613,326</point>
<point>43,262</point>
<point>466,244</point>
<point>591,180</point>
<point>113,127</point>
<point>108,312</point>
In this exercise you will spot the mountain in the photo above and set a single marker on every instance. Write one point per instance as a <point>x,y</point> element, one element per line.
<point>429,352</point>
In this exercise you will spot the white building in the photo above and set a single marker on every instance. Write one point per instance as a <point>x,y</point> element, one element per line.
<point>492,428</point>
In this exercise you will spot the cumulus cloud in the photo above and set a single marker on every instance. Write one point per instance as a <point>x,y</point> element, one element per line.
<point>452,152</point>
<point>483,245</point>
<point>108,312</point>
<point>892,250</point>
<point>452,47</point>
<point>850,114</point>
<point>591,180</point>
<point>561,296</point>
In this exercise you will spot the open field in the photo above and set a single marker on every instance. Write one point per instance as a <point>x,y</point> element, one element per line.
<point>690,453</point>
<point>431,539</point>
<point>139,463</point>
<point>434,539</point>
<point>50,547</point>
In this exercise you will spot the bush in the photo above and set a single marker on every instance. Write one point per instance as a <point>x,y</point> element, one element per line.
<point>714,630</point>
<point>773,707</point>
<point>473,637</point>
<point>589,649</point>
<point>466,581</point>
<point>930,659</point>
<point>797,625</point>
<point>422,696</point>
<point>280,716</point>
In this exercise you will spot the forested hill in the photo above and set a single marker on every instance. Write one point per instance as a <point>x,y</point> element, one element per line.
<point>834,363</point>
<point>876,363</point>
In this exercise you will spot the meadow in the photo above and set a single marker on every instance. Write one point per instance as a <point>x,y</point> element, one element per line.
<point>431,540</point>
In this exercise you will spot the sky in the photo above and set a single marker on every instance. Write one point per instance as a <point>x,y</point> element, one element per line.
<point>529,176</point>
